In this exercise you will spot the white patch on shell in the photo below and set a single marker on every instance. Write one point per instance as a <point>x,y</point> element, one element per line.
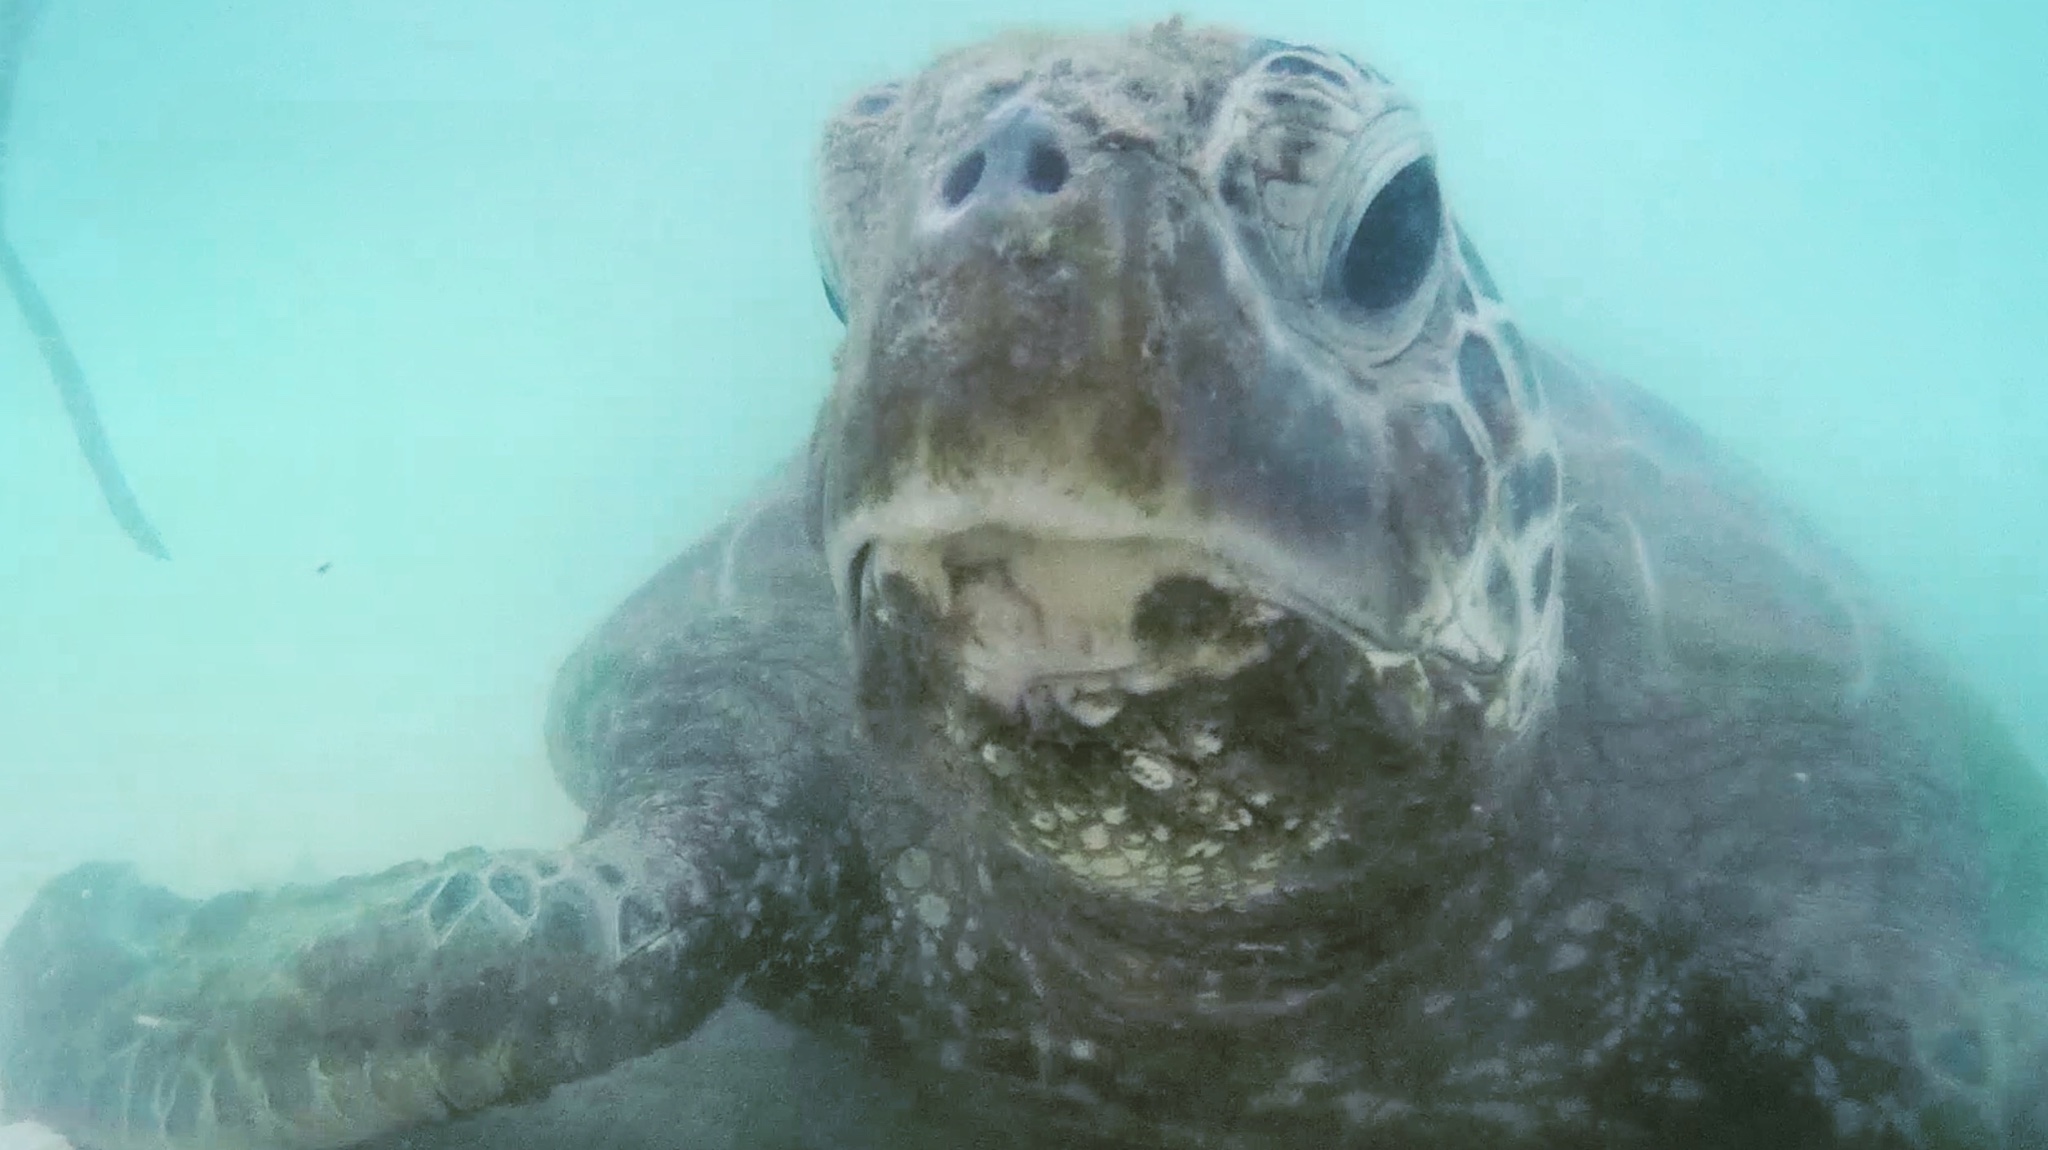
<point>933,910</point>
<point>1586,917</point>
<point>952,1055</point>
<point>1090,708</point>
<point>1149,771</point>
<point>1363,1108</point>
<point>1569,956</point>
<point>999,761</point>
<point>913,868</point>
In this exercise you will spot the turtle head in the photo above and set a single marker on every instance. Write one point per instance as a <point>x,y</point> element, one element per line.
<point>1185,483</point>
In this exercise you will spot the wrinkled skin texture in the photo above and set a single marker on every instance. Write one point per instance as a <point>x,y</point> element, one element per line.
<point>1211,684</point>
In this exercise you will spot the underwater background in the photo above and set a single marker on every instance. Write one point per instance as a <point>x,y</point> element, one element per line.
<point>426,329</point>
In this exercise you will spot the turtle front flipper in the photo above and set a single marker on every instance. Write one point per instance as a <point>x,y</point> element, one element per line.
<point>321,1016</point>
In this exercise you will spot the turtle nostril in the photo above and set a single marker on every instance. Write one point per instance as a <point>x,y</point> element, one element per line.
<point>1045,168</point>
<point>1020,157</point>
<point>961,181</point>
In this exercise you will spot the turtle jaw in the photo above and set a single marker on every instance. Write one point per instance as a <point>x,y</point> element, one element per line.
<point>1130,716</point>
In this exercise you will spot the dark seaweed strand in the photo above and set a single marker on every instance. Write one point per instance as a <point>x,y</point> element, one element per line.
<point>17,18</point>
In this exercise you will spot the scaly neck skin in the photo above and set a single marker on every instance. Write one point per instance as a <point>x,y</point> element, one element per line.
<point>1416,868</point>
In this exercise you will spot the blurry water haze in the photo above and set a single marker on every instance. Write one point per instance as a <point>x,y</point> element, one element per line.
<point>426,329</point>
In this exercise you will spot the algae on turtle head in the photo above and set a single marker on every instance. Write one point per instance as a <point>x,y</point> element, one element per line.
<point>17,20</point>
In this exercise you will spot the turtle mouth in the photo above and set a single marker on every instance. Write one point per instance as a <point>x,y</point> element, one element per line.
<point>1033,622</point>
<point>1130,713</point>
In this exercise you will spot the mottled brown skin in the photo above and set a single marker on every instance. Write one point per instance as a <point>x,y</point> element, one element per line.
<point>1174,705</point>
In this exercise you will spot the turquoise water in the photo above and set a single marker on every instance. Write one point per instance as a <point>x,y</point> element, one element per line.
<point>490,307</point>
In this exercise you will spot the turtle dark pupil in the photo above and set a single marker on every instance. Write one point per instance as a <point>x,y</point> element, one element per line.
<point>1396,240</point>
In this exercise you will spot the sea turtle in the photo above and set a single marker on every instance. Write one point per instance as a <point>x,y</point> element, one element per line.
<point>1212,682</point>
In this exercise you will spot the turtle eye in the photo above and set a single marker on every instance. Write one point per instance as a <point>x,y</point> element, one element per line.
<point>1391,250</point>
